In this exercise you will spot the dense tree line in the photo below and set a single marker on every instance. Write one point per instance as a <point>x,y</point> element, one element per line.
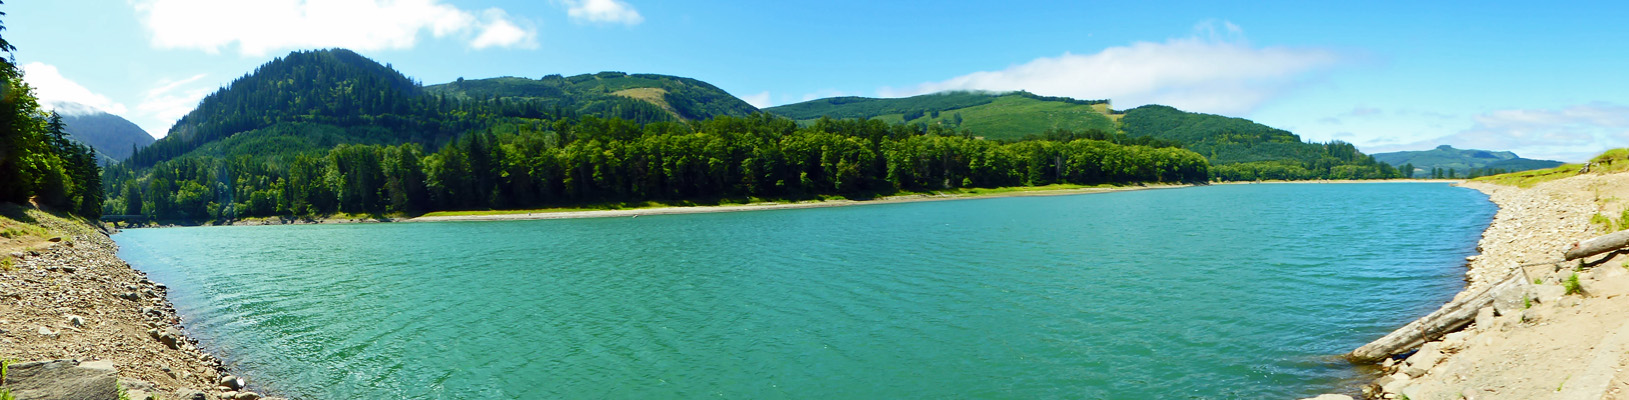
<point>589,160</point>
<point>38,161</point>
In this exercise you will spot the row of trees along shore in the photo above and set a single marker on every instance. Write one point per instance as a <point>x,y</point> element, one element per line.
<point>38,162</point>
<point>539,163</point>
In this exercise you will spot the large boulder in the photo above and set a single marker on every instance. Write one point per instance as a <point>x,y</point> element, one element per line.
<point>62,379</point>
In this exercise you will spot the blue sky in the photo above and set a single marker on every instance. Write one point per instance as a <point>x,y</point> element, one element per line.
<point>1544,80</point>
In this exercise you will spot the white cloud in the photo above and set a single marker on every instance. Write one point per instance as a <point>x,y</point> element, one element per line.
<point>259,27</point>
<point>1572,134</point>
<point>167,102</point>
<point>602,11</point>
<point>53,90</point>
<point>500,32</point>
<point>760,100</point>
<point>1208,72</point>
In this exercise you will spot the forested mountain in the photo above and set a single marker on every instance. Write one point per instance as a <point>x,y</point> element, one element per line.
<point>113,137</point>
<point>322,132</point>
<point>328,87</point>
<point>637,97</point>
<point>1240,149</point>
<point>995,116</point>
<point>1451,162</point>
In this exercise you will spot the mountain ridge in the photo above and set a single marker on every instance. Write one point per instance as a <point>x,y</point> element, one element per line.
<point>1447,157</point>
<point>111,136</point>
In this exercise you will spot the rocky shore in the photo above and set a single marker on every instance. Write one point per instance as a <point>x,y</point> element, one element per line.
<point>1563,333</point>
<point>73,307</point>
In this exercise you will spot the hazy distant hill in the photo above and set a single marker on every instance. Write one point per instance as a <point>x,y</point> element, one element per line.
<point>110,135</point>
<point>996,116</point>
<point>640,97</point>
<point>1464,160</point>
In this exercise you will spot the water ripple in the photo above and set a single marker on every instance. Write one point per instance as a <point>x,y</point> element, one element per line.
<point>1239,291</point>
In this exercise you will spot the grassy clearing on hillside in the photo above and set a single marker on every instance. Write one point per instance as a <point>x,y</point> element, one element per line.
<point>650,95</point>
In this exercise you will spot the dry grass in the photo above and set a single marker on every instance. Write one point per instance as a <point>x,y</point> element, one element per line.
<point>649,95</point>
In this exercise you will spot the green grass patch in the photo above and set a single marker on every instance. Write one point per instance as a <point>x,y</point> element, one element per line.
<point>1572,285</point>
<point>1526,179</point>
<point>1611,161</point>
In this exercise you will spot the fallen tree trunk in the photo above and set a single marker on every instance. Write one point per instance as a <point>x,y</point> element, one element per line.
<point>1598,245</point>
<point>1451,317</point>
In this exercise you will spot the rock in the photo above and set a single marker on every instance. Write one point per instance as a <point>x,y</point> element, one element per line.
<point>1453,342</point>
<point>169,336</point>
<point>137,384</point>
<point>56,239</point>
<point>247,396</point>
<point>1413,371</point>
<point>61,379</point>
<point>69,269</point>
<point>102,365</point>
<point>1509,300</point>
<point>1484,319</point>
<point>1532,315</point>
<point>1413,392</point>
<point>190,394</point>
<point>1330,397</point>
<point>1547,294</point>
<point>232,382</point>
<point>47,332</point>
<point>1427,357</point>
<point>1388,363</point>
<point>1398,382</point>
<point>76,321</point>
<point>132,296</point>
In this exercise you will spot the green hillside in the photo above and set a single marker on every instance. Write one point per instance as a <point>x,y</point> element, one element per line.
<point>348,98</point>
<point>639,96</point>
<point>327,87</point>
<point>1008,116</point>
<point>1463,162</point>
<point>1241,149</point>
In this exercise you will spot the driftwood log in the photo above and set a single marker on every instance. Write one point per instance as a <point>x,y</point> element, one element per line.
<point>1451,317</point>
<point>1598,245</point>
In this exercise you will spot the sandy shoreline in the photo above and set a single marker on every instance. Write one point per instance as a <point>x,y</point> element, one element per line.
<point>1543,341</point>
<point>780,206</point>
<point>76,300</point>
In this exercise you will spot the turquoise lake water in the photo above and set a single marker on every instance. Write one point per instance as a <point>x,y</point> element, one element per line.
<point>1228,291</point>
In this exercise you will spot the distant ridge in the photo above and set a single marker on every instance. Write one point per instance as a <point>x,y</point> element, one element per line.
<point>112,136</point>
<point>1463,161</point>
